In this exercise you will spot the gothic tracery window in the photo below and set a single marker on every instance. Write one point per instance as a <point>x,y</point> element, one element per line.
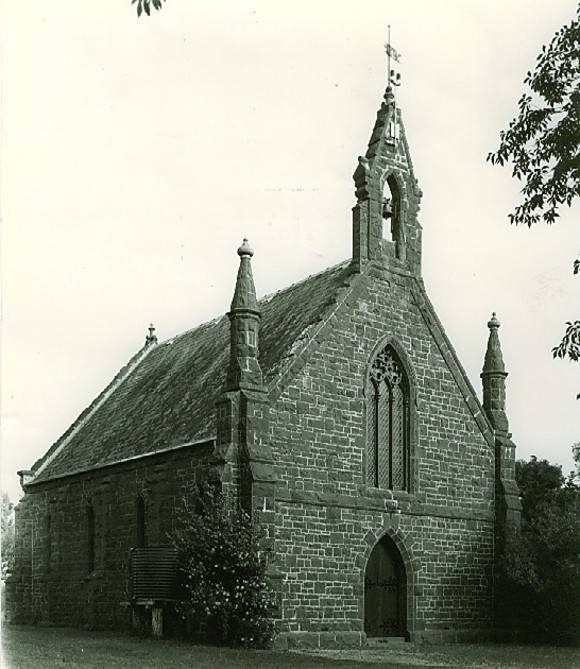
<point>388,423</point>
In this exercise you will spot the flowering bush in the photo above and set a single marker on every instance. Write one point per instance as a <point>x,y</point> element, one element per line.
<point>225,592</point>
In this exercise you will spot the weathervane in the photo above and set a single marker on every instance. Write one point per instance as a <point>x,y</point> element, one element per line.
<point>394,79</point>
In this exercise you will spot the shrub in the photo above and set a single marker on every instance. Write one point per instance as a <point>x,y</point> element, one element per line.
<point>225,593</point>
<point>539,571</point>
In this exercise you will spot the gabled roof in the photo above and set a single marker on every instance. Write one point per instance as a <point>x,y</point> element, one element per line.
<point>165,397</point>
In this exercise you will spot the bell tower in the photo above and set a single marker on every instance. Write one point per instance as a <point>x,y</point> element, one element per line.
<point>385,225</point>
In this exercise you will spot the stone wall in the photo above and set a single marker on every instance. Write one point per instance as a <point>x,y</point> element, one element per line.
<point>52,582</point>
<point>328,518</point>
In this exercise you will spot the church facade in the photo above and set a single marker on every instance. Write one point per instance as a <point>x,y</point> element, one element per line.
<point>336,409</point>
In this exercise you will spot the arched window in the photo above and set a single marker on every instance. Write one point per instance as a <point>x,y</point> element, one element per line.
<point>141,526</point>
<point>388,423</point>
<point>90,538</point>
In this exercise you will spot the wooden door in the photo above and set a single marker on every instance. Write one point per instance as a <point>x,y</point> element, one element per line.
<point>385,592</point>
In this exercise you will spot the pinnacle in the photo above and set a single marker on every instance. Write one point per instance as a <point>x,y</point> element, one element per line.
<point>245,292</point>
<point>493,356</point>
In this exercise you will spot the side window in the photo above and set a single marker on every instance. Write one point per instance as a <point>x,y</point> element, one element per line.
<point>141,528</point>
<point>48,553</point>
<point>90,512</point>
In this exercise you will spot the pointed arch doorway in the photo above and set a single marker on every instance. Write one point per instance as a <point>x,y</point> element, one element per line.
<point>385,592</point>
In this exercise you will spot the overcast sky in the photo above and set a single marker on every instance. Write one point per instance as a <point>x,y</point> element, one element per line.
<point>137,153</point>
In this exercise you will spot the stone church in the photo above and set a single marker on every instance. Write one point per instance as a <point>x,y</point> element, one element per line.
<point>335,409</point>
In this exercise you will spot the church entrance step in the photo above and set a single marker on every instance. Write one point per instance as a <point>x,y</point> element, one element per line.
<point>379,641</point>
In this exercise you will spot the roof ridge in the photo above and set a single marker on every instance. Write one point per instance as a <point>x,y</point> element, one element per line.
<point>269,296</point>
<point>86,414</point>
<point>213,321</point>
<point>264,299</point>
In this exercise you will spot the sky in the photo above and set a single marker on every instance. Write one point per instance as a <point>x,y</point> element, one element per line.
<point>136,154</point>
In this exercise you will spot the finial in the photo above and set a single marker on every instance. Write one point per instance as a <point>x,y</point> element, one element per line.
<point>245,249</point>
<point>151,338</point>
<point>493,322</point>
<point>389,95</point>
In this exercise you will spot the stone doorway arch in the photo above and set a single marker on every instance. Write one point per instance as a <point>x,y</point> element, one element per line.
<point>385,591</point>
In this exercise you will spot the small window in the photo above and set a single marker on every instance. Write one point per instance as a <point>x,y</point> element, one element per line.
<point>388,423</point>
<point>141,526</point>
<point>90,539</point>
<point>48,555</point>
<point>247,337</point>
<point>392,131</point>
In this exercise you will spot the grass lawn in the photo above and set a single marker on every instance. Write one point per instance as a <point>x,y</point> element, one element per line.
<point>26,647</point>
<point>466,656</point>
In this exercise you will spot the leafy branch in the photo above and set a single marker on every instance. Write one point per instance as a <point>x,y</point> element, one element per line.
<point>145,6</point>
<point>543,145</point>
<point>542,142</point>
<point>570,344</point>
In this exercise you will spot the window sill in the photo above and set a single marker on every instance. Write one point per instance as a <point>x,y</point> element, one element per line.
<point>386,493</point>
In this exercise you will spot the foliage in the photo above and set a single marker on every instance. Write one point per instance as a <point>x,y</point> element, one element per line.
<point>7,547</point>
<point>224,572</point>
<point>570,344</point>
<point>538,481</point>
<point>145,5</point>
<point>542,141</point>
<point>542,144</point>
<point>540,569</point>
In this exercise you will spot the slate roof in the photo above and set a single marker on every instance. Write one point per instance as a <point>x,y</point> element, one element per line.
<point>165,396</point>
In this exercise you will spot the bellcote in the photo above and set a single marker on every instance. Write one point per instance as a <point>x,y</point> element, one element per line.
<point>385,225</point>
